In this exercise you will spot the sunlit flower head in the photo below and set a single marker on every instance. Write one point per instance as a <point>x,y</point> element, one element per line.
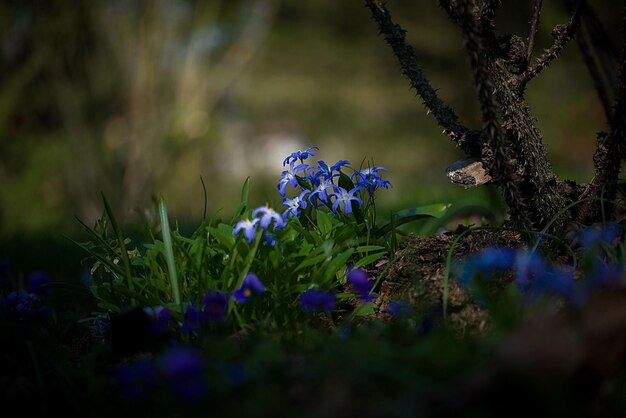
<point>248,226</point>
<point>300,155</point>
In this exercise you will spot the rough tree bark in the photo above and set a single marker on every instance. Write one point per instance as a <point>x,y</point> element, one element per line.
<point>508,149</point>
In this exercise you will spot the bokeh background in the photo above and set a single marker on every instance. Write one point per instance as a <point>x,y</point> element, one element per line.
<point>144,98</point>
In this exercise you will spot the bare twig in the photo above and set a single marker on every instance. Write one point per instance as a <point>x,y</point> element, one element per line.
<point>600,82</point>
<point>444,114</point>
<point>610,149</point>
<point>448,7</point>
<point>534,25</point>
<point>599,55</point>
<point>563,34</point>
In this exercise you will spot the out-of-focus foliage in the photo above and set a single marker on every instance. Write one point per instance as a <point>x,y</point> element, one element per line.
<point>141,98</point>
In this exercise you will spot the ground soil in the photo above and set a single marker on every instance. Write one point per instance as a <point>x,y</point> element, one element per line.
<point>417,275</point>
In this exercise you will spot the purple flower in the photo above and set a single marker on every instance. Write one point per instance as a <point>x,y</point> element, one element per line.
<point>183,369</point>
<point>360,282</point>
<point>215,306</point>
<point>251,285</point>
<point>295,205</point>
<point>314,300</point>
<point>345,197</point>
<point>193,320</point>
<point>248,227</point>
<point>268,216</point>
<point>299,155</point>
<point>290,177</point>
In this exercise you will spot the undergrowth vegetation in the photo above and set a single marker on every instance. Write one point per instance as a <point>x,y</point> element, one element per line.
<point>275,313</point>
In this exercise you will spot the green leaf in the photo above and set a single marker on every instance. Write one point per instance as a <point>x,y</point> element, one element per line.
<point>324,223</point>
<point>412,214</point>
<point>337,262</point>
<point>223,234</point>
<point>364,309</point>
<point>243,204</point>
<point>169,251</point>
<point>368,248</point>
<point>311,261</point>
<point>369,259</point>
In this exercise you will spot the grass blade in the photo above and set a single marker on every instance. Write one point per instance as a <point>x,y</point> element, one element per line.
<point>169,251</point>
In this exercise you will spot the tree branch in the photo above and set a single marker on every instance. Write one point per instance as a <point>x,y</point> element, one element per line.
<point>496,152</point>
<point>444,114</point>
<point>534,25</point>
<point>448,7</point>
<point>563,34</point>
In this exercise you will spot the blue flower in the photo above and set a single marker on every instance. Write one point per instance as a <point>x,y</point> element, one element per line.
<point>528,265</point>
<point>251,285</point>
<point>249,228</point>
<point>215,306</point>
<point>23,308</point>
<point>555,282</point>
<point>268,216</point>
<point>320,191</point>
<point>370,180</point>
<point>603,274</point>
<point>184,370</point>
<point>299,155</point>
<point>360,282</point>
<point>99,326</point>
<point>488,262</point>
<point>605,233</point>
<point>295,205</point>
<point>345,197</point>
<point>290,177</point>
<point>327,172</point>
<point>314,300</point>
<point>399,309</point>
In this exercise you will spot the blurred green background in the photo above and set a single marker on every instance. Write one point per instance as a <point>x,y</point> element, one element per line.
<point>141,98</point>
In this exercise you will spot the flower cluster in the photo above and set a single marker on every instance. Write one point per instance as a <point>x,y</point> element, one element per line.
<point>319,183</point>
<point>181,369</point>
<point>22,308</point>
<point>214,304</point>
<point>303,186</point>
<point>534,276</point>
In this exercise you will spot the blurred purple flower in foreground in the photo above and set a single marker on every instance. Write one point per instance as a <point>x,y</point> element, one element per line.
<point>314,300</point>
<point>251,285</point>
